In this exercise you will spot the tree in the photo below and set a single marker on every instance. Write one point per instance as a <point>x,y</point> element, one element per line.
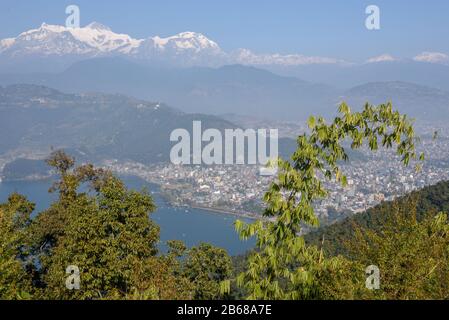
<point>15,282</point>
<point>105,232</point>
<point>412,255</point>
<point>428,200</point>
<point>206,267</point>
<point>284,267</point>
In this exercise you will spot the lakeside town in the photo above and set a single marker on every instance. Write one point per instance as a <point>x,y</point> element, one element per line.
<point>239,189</point>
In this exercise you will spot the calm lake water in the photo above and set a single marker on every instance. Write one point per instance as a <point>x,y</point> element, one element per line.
<point>192,226</point>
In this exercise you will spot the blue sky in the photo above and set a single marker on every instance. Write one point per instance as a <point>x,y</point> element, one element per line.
<point>332,28</point>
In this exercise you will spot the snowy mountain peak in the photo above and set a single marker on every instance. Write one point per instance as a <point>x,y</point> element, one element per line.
<point>185,41</point>
<point>6,43</point>
<point>98,26</point>
<point>192,35</point>
<point>199,39</point>
<point>92,40</point>
<point>97,40</point>
<point>49,27</point>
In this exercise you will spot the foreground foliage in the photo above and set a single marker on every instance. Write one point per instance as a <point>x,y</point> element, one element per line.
<point>106,231</point>
<point>429,200</point>
<point>284,267</point>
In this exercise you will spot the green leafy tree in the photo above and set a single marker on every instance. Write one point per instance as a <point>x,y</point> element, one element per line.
<point>412,254</point>
<point>15,281</point>
<point>284,267</point>
<point>106,232</point>
<point>429,200</point>
<point>206,267</point>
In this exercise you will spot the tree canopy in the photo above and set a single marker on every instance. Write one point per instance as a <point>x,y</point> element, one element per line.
<point>284,267</point>
<point>104,230</point>
<point>101,231</point>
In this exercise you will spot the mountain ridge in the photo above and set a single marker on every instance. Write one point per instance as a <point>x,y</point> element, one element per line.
<point>186,48</point>
<point>239,89</point>
<point>112,126</point>
<point>246,89</point>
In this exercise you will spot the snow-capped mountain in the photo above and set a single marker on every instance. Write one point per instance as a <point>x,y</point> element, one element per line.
<point>54,48</point>
<point>47,40</point>
<point>185,41</point>
<point>96,40</point>
<point>245,56</point>
<point>186,48</point>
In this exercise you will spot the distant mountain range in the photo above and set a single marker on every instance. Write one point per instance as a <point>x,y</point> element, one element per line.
<point>56,47</point>
<point>62,46</point>
<point>192,73</point>
<point>237,89</point>
<point>53,48</point>
<point>96,126</point>
<point>229,89</point>
<point>408,70</point>
<point>99,126</point>
<point>420,102</point>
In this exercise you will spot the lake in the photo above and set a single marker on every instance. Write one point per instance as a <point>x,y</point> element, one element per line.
<point>192,226</point>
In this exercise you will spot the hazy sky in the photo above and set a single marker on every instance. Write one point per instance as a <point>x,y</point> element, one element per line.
<point>332,28</point>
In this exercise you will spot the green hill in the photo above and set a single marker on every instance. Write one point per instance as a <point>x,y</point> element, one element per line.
<point>432,199</point>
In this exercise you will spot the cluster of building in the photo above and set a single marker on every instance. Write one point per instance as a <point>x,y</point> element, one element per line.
<point>231,188</point>
<point>372,178</point>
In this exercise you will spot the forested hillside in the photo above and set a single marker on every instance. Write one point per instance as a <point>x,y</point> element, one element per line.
<point>430,200</point>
